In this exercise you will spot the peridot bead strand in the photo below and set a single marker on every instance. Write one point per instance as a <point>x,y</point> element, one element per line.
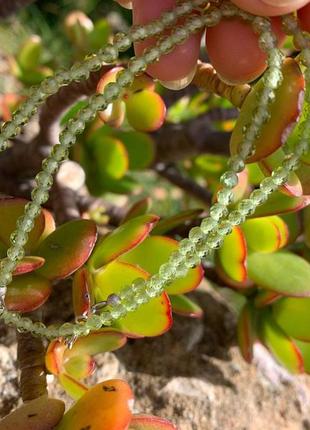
<point>215,228</point>
<point>79,71</point>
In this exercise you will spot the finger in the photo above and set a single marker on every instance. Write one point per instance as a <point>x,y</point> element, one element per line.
<point>234,51</point>
<point>176,65</point>
<point>270,7</point>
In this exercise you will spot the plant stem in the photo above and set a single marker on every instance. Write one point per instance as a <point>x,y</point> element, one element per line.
<point>31,362</point>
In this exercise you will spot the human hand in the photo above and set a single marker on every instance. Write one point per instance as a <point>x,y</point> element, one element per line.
<point>232,45</point>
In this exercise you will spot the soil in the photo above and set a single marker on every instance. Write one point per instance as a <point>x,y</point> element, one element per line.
<point>193,375</point>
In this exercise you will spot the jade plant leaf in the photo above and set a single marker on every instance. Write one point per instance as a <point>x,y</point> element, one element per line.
<point>304,348</point>
<point>27,293</point>
<point>141,207</point>
<point>10,210</point>
<point>151,319</point>
<point>54,356</point>
<point>266,297</point>
<point>306,216</point>
<point>111,157</point>
<point>149,422</point>
<point>293,186</point>
<point>3,250</point>
<point>81,293</point>
<point>284,112</point>
<point>114,114</point>
<point>38,414</point>
<point>99,341</point>
<point>282,347</point>
<point>122,239</point>
<point>294,225</point>
<point>73,387</point>
<point>140,149</point>
<point>67,248</point>
<point>155,251</point>
<point>242,188</point>
<point>282,272</point>
<point>28,264</point>
<point>143,119</point>
<point>100,34</point>
<point>246,332</point>
<point>80,366</point>
<point>183,218</point>
<point>279,203</point>
<point>266,234</point>
<point>231,257</point>
<point>293,316</point>
<point>30,53</point>
<point>114,398</point>
<point>304,176</point>
<point>184,306</point>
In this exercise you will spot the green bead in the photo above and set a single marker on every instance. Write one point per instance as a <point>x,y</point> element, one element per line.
<point>208,224</point>
<point>258,197</point>
<point>218,211</point>
<point>229,179</point>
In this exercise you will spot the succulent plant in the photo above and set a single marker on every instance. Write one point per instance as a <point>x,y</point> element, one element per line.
<point>128,282</point>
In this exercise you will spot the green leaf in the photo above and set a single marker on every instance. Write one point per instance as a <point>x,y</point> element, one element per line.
<point>279,203</point>
<point>148,422</point>
<point>80,367</point>
<point>54,356</point>
<point>306,216</point>
<point>30,53</point>
<point>28,264</point>
<point>283,272</point>
<point>293,186</point>
<point>293,316</point>
<point>111,157</point>
<point>303,173</point>
<point>3,250</point>
<point>73,111</point>
<point>121,240</point>
<point>155,251</point>
<point>100,34</point>
<point>167,224</point>
<point>304,348</point>
<point>184,306</point>
<point>150,319</point>
<point>141,207</point>
<point>293,223</point>
<point>282,347</point>
<point>75,389</point>
<point>10,210</point>
<point>266,297</point>
<point>143,119</point>
<point>232,256</point>
<point>284,113</point>
<point>140,149</point>
<point>67,248</point>
<point>27,293</point>
<point>266,234</point>
<point>103,340</point>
